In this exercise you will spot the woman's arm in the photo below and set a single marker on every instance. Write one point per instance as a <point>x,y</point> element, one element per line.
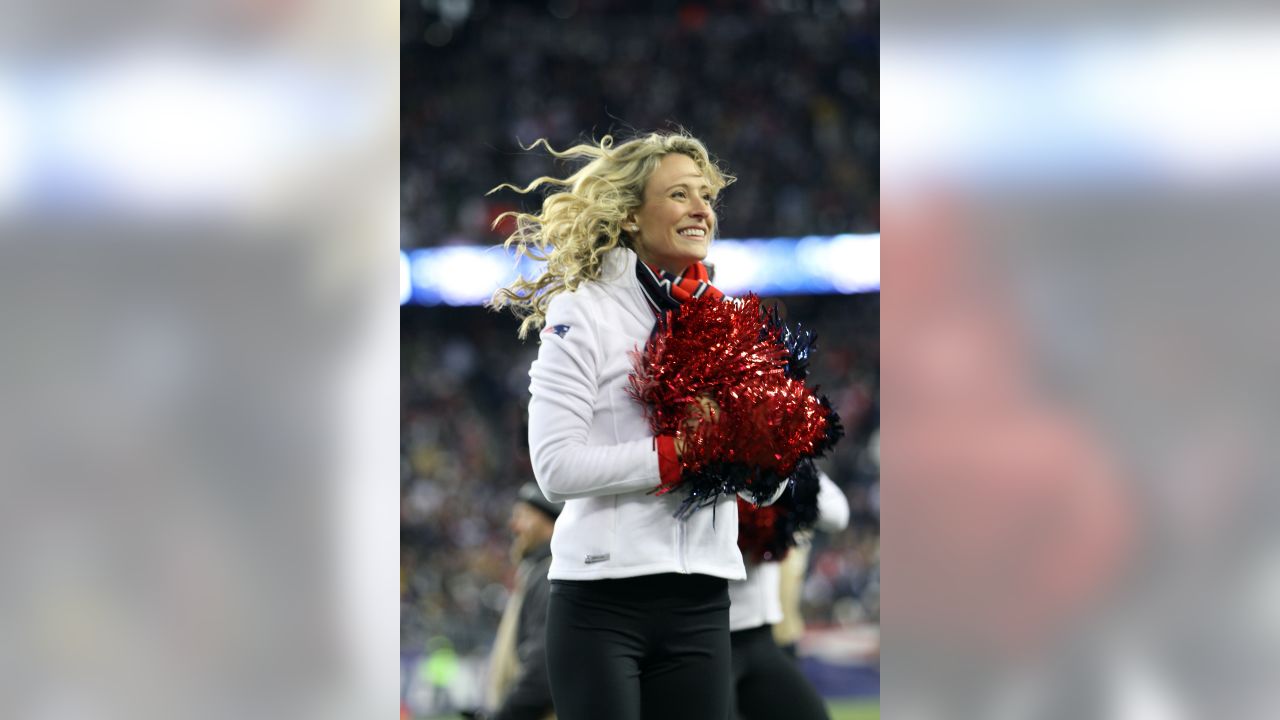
<point>564,386</point>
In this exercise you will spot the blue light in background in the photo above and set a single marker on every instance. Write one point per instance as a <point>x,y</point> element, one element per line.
<point>812,265</point>
<point>406,284</point>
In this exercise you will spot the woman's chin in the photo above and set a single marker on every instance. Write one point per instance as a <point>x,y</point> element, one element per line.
<point>695,259</point>
<point>697,253</point>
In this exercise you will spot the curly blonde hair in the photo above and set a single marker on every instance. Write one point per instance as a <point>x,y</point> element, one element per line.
<point>580,223</point>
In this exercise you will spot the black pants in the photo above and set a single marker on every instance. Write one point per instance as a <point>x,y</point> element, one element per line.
<point>654,647</point>
<point>767,684</point>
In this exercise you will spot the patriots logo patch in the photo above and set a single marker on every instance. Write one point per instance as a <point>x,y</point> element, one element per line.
<point>559,330</point>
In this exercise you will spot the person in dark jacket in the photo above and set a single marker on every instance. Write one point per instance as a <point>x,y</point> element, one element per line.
<point>518,684</point>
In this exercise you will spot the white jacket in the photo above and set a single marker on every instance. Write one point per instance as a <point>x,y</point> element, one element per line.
<point>591,445</point>
<point>755,601</point>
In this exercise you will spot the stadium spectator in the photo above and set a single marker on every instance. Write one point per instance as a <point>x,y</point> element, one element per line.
<point>518,664</point>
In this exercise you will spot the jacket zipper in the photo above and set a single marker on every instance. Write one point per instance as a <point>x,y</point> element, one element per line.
<point>684,555</point>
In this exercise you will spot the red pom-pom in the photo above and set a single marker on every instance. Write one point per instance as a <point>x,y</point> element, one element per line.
<point>730,352</point>
<point>768,533</point>
<point>758,532</point>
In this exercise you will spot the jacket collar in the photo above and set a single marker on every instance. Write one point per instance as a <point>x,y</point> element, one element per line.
<point>618,273</point>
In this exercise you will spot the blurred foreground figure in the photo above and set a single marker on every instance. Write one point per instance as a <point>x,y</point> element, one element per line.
<point>1016,521</point>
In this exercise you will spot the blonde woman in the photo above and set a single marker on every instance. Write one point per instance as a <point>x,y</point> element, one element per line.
<point>638,617</point>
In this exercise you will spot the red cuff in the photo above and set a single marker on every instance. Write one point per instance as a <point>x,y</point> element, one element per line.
<point>668,462</point>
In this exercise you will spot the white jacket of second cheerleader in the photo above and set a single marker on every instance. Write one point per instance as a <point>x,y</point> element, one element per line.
<point>756,601</point>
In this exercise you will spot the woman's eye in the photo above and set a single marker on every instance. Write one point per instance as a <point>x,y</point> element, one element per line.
<point>679,194</point>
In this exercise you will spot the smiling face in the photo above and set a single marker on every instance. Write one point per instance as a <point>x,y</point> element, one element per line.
<point>676,221</point>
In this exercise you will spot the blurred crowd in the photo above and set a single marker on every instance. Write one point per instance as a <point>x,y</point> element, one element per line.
<point>786,94</point>
<point>464,385</point>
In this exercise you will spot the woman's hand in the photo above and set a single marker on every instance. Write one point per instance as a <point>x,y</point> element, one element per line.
<point>704,409</point>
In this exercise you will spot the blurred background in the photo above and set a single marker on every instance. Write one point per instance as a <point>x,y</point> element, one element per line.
<point>1079,210</point>
<point>198,386</point>
<point>786,95</point>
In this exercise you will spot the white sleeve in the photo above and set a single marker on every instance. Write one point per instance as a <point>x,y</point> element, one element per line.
<point>564,385</point>
<point>833,506</point>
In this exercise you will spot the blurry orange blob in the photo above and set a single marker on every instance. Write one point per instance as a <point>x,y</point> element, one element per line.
<point>1006,516</point>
